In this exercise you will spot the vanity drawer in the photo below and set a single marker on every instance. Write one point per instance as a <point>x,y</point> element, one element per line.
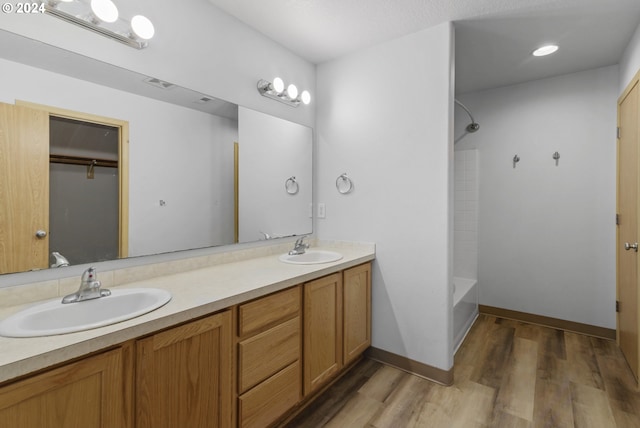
<point>255,316</point>
<point>267,353</point>
<point>271,399</point>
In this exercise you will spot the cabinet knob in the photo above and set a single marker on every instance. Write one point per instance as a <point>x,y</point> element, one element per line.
<point>40,234</point>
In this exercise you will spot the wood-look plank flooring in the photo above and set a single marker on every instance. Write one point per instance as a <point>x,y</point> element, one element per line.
<point>506,374</point>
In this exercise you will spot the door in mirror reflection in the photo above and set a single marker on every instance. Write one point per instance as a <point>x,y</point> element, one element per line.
<point>62,188</point>
<point>24,188</point>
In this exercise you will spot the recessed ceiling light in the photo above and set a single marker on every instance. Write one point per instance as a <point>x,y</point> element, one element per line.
<point>545,50</point>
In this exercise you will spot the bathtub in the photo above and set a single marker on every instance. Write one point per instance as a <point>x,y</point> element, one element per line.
<point>465,308</point>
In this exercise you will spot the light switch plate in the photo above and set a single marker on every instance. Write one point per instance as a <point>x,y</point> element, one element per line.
<point>322,210</point>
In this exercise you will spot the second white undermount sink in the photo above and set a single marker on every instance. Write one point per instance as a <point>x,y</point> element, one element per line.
<point>53,317</point>
<point>311,257</point>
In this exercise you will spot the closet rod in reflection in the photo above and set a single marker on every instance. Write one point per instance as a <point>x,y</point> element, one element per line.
<point>80,160</point>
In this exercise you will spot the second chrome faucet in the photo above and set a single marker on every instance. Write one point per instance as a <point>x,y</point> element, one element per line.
<point>299,247</point>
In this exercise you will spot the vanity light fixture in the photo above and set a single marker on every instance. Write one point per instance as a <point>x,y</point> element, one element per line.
<point>142,27</point>
<point>276,91</point>
<point>104,11</point>
<point>102,17</point>
<point>545,50</point>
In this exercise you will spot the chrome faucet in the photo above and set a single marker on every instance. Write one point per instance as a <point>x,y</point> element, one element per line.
<point>299,247</point>
<point>61,260</point>
<point>89,288</point>
<point>266,236</point>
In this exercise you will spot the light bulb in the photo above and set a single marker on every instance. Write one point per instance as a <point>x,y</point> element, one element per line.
<point>104,10</point>
<point>292,91</point>
<point>545,50</point>
<point>278,85</point>
<point>305,96</point>
<point>142,27</point>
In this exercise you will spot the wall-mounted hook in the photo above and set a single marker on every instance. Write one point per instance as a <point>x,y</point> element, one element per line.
<point>556,156</point>
<point>516,159</point>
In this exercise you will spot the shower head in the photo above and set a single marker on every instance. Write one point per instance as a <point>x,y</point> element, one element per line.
<point>473,126</point>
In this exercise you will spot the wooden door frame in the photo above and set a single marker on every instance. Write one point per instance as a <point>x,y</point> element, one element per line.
<point>635,81</point>
<point>123,162</point>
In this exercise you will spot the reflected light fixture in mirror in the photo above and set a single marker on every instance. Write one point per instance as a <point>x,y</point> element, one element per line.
<point>305,97</point>
<point>278,85</point>
<point>292,91</point>
<point>102,17</point>
<point>276,91</point>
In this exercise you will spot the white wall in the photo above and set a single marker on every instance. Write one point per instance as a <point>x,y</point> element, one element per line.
<point>547,232</point>
<point>189,166</point>
<point>630,61</point>
<point>196,45</point>
<point>384,119</point>
<point>271,151</point>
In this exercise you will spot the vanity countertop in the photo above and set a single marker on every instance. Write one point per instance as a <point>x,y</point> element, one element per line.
<point>194,294</point>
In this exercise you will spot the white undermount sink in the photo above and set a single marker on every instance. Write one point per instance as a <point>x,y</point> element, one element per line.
<point>311,257</point>
<point>52,317</point>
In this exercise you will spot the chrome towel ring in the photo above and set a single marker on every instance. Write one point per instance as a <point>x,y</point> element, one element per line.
<point>344,184</point>
<point>291,185</point>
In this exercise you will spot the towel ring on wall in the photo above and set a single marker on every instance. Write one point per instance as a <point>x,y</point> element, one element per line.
<point>344,184</point>
<point>291,185</point>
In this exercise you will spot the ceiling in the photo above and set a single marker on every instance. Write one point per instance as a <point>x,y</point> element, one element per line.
<point>494,38</point>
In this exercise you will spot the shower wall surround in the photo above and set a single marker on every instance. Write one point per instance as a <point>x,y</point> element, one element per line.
<point>465,214</point>
<point>546,233</point>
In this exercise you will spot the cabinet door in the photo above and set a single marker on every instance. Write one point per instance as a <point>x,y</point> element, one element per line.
<point>184,375</point>
<point>322,330</point>
<point>85,394</point>
<point>357,311</point>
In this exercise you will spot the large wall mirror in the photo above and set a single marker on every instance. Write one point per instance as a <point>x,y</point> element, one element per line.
<point>191,171</point>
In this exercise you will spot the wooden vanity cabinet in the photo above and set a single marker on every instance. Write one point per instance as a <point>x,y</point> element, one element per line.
<point>269,369</point>
<point>84,394</point>
<point>356,292</point>
<point>337,323</point>
<point>184,375</point>
<point>322,330</point>
<point>288,344</point>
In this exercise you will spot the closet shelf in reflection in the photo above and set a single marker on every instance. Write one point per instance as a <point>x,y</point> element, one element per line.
<point>80,160</point>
